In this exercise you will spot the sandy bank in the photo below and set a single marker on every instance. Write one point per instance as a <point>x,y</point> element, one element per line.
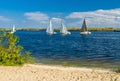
<point>54,73</point>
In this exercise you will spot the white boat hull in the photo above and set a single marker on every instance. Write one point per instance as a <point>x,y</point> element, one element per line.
<point>85,33</point>
<point>51,33</point>
<point>66,33</point>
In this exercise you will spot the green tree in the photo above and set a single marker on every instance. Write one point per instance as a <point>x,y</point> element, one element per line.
<point>10,52</point>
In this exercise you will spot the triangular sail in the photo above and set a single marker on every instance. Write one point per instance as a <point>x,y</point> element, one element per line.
<point>50,29</point>
<point>84,26</point>
<point>63,29</point>
<point>13,28</point>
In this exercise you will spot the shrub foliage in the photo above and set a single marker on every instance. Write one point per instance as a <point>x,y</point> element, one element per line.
<point>10,52</point>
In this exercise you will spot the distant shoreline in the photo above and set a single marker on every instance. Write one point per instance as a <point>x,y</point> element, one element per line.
<point>71,29</point>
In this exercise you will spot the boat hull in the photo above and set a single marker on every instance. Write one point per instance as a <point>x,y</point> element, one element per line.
<point>51,33</point>
<point>85,33</point>
<point>66,33</point>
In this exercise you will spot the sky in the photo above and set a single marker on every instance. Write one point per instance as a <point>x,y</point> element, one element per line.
<point>37,13</point>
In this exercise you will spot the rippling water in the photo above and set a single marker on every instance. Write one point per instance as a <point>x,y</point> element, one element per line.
<point>101,47</point>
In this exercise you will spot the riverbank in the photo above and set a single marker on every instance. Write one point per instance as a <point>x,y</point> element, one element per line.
<point>69,28</point>
<point>31,72</point>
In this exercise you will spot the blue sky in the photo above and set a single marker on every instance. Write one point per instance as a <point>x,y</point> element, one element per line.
<point>36,13</point>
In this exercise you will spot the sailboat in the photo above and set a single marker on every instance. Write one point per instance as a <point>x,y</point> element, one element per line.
<point>84,28</point>
<point>50,29</point>
<point>64,29</point>
<point>13,29</point>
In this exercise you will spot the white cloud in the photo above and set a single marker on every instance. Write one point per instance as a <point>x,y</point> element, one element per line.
<point>98,18</point>
<point>57,20</point>
<point>2,18</point>
<point>36,16</point>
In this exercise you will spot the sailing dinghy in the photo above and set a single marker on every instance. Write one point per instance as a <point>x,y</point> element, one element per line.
<point>50,29</point>
<point>13,29</point>
<point>84,28</point>
<point>64,29</point>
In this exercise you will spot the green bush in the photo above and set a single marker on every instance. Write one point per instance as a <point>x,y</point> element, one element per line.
<point>10,52</point>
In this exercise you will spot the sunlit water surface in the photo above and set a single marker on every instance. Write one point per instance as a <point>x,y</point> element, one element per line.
<point>98,47</point>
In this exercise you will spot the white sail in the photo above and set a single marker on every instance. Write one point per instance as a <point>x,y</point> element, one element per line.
<point>13,29</point>
<point>64,29</point>
<point>50,29</point>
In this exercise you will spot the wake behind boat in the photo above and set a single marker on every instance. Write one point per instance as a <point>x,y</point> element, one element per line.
<point>50,29</point>
<point>64,29</point>
<point>84,28</point>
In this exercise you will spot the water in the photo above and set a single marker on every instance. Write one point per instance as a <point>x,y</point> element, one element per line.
<point>100,47</point>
